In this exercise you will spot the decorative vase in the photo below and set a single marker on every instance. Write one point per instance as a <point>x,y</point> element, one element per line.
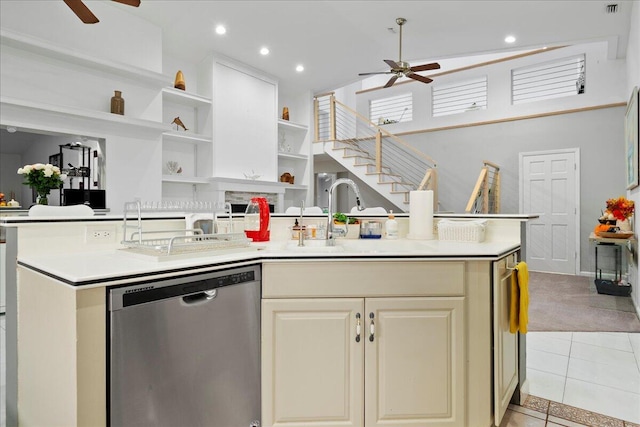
<point>285,113</point>
<point>179,81</point>
<point>624,225</point>
<point>117,103</point>
<point>42,198</point>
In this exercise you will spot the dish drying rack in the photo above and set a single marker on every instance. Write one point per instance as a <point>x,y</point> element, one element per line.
<point>182,240</point>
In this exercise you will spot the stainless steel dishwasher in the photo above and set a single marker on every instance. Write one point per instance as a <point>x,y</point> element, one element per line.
<point>186,351</point>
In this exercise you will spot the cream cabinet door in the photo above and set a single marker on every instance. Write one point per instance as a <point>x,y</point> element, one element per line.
<point>414,362</point>
<point>505,344</point>
<point>312,370</point>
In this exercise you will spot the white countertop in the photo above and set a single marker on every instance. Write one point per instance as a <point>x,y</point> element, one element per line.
<point>113,267</point>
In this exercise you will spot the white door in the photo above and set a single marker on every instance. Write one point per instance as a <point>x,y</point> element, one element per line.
<point>549,187</point>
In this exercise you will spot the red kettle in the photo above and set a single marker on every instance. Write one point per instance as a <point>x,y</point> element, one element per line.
<point>257,220</point>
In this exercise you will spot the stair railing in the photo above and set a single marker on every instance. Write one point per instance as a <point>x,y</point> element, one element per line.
<point>485,197</point>
<point>336,122</point>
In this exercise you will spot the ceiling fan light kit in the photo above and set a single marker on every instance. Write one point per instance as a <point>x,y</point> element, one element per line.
<point>85,14</point>
<point>401,68</point>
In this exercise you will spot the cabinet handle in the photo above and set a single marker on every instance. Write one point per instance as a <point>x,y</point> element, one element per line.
<point>358,327</point>
<point>372,327</point>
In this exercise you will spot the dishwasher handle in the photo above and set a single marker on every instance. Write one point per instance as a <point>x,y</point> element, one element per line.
<point>200,297</point>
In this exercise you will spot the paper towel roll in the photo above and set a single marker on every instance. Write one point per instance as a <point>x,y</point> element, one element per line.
<point>421,215</point>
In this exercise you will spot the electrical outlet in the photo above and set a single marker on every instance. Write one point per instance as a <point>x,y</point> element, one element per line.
<point>99,234</point>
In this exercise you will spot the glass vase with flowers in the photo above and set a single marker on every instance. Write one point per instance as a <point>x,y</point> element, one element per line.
<point>42,178</point>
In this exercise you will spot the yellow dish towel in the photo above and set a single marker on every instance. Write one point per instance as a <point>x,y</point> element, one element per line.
<point>519,310</point>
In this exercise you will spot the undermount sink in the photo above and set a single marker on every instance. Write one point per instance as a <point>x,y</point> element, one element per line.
<point>357,246</point>
<point>378,246</point>
<point>312,246</point>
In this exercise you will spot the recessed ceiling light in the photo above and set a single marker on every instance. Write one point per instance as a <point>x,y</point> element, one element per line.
<point>220,29</point>
<point>299,68</point>
<point>264,51</point>
<point>509,39</point>
<point>11,129</point>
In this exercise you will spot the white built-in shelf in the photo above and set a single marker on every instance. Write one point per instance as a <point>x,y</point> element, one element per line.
<point>294,186</point>
<point>178,96</point>
<point>14,110</point>
<point>42,47</point>
<point>181,179</point>
<point>293,156</point>
<point>289,125</point>
<point>188,138</point>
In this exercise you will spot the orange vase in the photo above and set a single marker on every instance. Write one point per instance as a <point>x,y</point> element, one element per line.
<point>179,82</point>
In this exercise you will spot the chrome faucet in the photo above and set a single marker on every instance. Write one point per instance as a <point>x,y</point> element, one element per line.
<point>331,232</point>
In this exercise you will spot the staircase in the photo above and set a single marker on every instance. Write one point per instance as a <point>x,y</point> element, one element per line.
<point>383,161</point>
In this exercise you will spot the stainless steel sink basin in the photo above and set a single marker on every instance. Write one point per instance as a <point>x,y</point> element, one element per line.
<point>356,246</point>
<point>311,246</point>
<point>378,246</point>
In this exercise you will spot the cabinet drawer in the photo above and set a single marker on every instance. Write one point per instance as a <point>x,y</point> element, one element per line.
<point>362,279</point>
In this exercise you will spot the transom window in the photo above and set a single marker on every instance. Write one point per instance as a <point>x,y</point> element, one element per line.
<point>459,97</point>
<point>554,79</point>
<point>394,109</point>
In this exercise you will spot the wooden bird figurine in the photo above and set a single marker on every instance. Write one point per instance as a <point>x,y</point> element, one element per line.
<point>178,122</point>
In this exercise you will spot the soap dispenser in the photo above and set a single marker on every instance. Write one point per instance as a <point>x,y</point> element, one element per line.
<point>391,226</point>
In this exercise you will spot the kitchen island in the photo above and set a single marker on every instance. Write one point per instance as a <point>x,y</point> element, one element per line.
<point>455,291</point>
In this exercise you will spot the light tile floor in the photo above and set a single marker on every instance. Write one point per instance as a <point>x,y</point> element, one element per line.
<point>599,372</point>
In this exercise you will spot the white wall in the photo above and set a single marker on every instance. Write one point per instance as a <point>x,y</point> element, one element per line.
<point>633,79</point>
<point>10,181</point>
<point>119,36</point>
<point>133,159</point>
<point>459,152</point>
<point>605,85</point>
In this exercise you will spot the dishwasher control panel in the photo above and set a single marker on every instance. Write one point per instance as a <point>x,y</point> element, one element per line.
<point>168,288</point>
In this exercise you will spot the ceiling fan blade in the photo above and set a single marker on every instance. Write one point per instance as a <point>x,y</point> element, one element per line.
<point>82,11</point>
<point>425,67</point>
<point>134,3</point>
<point>419,78</point>
<point>392,64</point>
<point>391,81</point>
<point>380,72</point>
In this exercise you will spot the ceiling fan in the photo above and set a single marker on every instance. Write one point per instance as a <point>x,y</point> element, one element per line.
<point>401,68</point>
<point>86,16</point>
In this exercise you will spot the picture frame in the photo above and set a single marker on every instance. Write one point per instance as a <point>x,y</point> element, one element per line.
<point>631,139</point>
<point>55,159</point>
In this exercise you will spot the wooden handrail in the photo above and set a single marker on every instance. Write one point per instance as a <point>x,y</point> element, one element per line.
<point>322,95</point>
<point>378,152</point>
<point>476,189</point>
<point>387,133</point>
<point>332,117</point>
<point>493,165</point>
<point>316,118</point>
<point>425,180</point>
